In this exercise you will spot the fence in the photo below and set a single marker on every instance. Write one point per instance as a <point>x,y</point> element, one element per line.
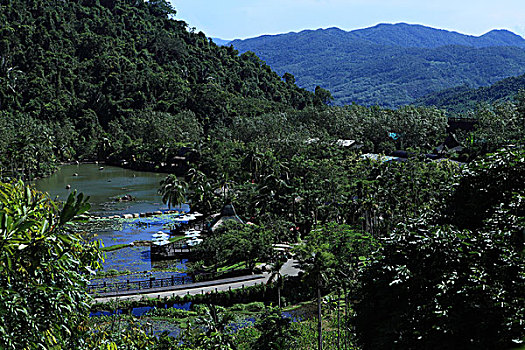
<point>152,283</point>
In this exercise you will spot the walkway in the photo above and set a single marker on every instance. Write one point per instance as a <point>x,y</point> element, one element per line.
<point>289,268</point>
<point>192,289</point>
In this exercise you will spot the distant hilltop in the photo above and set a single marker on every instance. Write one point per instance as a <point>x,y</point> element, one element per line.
<point>221,42</point>
<point>400,34</point>
<point>390,64</point>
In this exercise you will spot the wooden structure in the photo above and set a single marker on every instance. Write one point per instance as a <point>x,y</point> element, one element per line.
<point>170,251</point>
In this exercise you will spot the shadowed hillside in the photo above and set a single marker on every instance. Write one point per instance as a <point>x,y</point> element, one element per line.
<point>390,65</point>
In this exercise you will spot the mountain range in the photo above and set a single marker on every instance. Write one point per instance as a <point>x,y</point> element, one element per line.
<point>390,64</point>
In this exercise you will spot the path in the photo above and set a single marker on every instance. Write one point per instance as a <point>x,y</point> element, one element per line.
<point>192,289</point>
<point>288,269</point>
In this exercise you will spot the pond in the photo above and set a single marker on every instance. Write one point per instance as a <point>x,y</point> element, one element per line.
<point>124,231</point>
<point>172,327</point>
<point>104,186</point>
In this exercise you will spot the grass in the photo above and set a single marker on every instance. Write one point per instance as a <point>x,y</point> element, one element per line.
<point>177,239</point>
<point>255,307</point>
<point>112,248</point>
<point>232,267</point>
<point>297,306</point>
<point>138,243</point>
<point>111,273</point>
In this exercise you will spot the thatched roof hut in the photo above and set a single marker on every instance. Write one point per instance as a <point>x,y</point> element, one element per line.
<point>227,213</point>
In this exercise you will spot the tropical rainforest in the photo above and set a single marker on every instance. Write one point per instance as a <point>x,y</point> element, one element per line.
<point>80,78</point>
<point>463,99</point>
<point>420,250</point>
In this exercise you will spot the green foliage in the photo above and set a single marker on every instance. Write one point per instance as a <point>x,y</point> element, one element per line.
<point>250,307</point>
<point>488,186</point>
<point>116,332</point>
<point>336,251</point>
<point>44,270</point>
<point>201,195</point>
<point>322,96</point>
<point>462,99</point>
<point>497,126</point>
<point>442,286</point>
<point>212,331</point>
<point>434,283</point>
<point>173,191</point>
<point>275,330</point>
<point>234,242</point>
<point>110,272</point>
<point>123,79</point>
<point>170,312</point>
<point>29,146</point>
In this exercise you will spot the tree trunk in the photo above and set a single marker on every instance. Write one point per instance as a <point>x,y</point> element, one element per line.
<point>319,316</point>
<point>279,290</point>
<point>346,314</point>
<point>338,319</point>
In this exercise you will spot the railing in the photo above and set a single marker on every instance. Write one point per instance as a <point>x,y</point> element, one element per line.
<point>152,283</point>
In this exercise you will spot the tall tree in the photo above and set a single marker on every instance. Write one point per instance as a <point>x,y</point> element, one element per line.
<point>173,190</point>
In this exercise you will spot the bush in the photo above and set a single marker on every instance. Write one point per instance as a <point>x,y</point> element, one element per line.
<point>170,312</point>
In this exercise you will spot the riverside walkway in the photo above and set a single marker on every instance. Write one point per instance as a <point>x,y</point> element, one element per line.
<point>288,269</point>
<point>189,288</point>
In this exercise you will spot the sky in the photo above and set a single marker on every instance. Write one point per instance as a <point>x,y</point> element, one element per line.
<point>240,19</point>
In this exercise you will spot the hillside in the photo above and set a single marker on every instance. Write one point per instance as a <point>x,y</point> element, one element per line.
<point>463,98</point>
<point>413,35</point>
<point>89,79</point>
<point>390,65</point>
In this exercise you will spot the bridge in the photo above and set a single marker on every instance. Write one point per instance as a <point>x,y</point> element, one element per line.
<point>136,286</point>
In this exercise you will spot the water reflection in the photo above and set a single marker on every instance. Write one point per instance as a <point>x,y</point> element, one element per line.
<point>105,186</point>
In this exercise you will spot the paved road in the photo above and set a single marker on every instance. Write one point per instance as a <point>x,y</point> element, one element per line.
<point>288,269</point>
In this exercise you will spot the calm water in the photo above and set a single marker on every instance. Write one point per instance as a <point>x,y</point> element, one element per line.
<point>140,229</point>
<point>103,186</point>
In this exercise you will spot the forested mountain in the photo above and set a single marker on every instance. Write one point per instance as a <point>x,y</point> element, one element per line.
<point>463,98</point>
<point>390,65</point>
<point>414,35</point>
<point>220,42</point>
<point>101,78</point>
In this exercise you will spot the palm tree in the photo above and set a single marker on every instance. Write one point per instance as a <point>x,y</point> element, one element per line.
<point>201,191</point>
<point>173,190</point>
<point>318,264</point>
<point>276,275</point>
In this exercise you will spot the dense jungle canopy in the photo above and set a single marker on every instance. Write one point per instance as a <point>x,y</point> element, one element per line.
<point>76,74</point>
